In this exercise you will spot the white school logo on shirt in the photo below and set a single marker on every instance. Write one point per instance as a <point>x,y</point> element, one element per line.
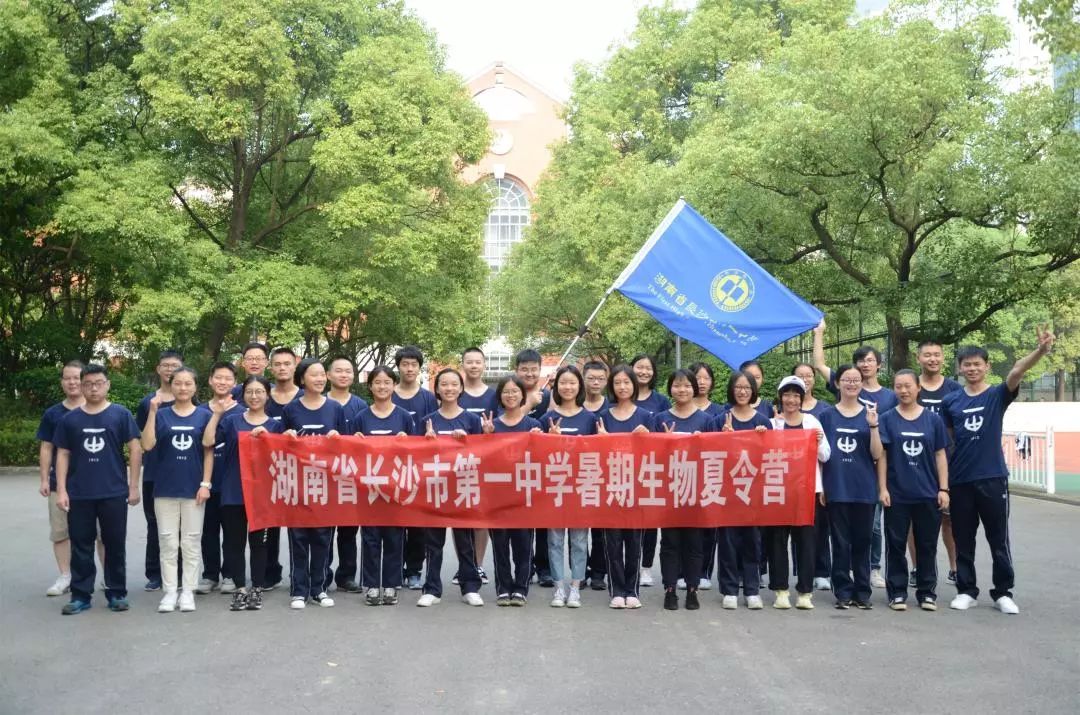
<point>973,423</point>
<point>844,443</point>
<point>182,442</point>
<point>93,445</point>
<point>912,448</point>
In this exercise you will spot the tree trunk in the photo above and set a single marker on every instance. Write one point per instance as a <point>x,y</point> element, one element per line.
<point>219,325</point>
<point>1059,385</point>
<point>898,339</point>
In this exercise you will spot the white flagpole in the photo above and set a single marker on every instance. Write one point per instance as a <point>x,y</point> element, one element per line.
<point>626,272</point>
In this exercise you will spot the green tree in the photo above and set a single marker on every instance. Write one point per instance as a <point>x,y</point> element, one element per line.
<point>318,146</point>
<point>877,163</point>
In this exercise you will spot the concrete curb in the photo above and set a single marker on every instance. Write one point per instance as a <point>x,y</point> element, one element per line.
<point>1033,494</point>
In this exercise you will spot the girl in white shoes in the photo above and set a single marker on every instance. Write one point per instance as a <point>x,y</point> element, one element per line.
<point>182,485</point>
<point>790,400</point>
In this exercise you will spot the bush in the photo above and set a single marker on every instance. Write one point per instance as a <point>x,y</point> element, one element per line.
<point>36,389</point>
<point>18,446</point>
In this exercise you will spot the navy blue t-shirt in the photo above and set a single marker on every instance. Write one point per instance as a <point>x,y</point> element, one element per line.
<point>603,406</point>
<point>352,408</point>
<point>481,405</point>
<point>820,407</point>
<point>276,410</point>
<point>976,425</point>
<point>179,453</point>
<point>399,420</point>
<point>541,407</point>
<point>47,430</point>
<point>466,421</point>
<point>654,403</point>
<point>142,412</point>
<point>219,446</point>
<point>698,421</point>
<point>580,425</point>
<point>765,409</point>
<point>849,475</point>
<point>228,434</point>
<point>713,410</point>
<point>527,424</point>
<point>911,455</point>
<point>420,404</point>
<point>933,399</point>
<point>717,424</point>
<point>639,417</point>
<point>328,417</point>
<point>96,467</point>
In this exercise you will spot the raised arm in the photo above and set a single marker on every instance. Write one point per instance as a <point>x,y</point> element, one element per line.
<point>1045,344</point>
<point>819,352</point>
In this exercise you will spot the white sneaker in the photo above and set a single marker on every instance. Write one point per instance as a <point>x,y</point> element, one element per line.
<point>633,602</point>
<point>228,585</point>
<point>558,599</point>
<point>783,600</point>
<point>1007,605</point>
<point>617,602</point>
<point>298,603</point>
<point>822,584</point>
<point>730,603</point>
<point>574,601</point>
<point>754,603</point>
<point>428,599</point>
<point>205,586</point>
<point>61,586</point>
<point>324,601</point>
<point>681,584</point>
<point>962,602</point>
<point>805,602</point>
<point>168,602</point>
<point>646,577</point>
<point>876,579</point>
<point>473,599</point>
<point>187,601</point>
<point>704,585</point>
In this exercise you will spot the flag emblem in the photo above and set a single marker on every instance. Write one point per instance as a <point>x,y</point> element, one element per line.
<point>732,290</point>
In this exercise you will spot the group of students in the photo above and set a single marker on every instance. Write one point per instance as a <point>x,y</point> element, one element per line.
<point>926,454</point>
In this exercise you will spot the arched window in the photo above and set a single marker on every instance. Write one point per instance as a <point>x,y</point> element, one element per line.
<point>508,216</point>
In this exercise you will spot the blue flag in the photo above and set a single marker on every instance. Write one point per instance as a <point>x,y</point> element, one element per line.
<point>702,287</point>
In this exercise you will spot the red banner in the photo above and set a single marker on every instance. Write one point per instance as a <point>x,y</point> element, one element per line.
<point>525,480</point>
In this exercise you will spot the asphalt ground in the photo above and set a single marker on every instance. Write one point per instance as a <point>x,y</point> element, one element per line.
<point>453,658</point>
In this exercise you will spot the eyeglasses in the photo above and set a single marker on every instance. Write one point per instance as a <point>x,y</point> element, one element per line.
<point>94,384</point>
<point>255,358</point>
<point>744,389</point>
<point>170,365</point>
<point>254,393</point>
<point>850,382</point>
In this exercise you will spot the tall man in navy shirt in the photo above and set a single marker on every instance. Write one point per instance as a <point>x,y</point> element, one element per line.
<point>94,488</point>
<point>978,476</point>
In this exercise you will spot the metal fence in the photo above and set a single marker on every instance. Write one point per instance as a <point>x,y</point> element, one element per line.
<point>1030,459</point>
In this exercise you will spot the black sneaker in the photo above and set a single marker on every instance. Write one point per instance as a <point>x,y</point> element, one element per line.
<point>503,599</point>
<point>863,605</point>
<point>482,574</point>
<point>912,580</point>
<point>239,601</point>
<point>671,600</point>
<point>253,602</point>
<point>692,600</point>
<point>951,578</point>
<point>153,584</point>
<point>597,583</point>
<point>518,600</point>
<point>843,604</point>
<point>272,586</point>
<point>350,587</point>
<point>545,580</point>
<point>928,603</point>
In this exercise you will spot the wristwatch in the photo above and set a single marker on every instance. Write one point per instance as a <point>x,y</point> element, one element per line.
<point>204,485</point>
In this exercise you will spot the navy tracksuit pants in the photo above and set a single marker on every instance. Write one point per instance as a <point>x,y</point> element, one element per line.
<point>985,501</point>
<point>852,529</point>
<point>512,553</point>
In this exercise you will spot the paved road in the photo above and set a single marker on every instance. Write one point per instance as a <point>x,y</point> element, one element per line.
<point>537,659</point>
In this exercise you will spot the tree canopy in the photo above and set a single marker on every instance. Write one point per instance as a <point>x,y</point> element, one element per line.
<point>877,162</point>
